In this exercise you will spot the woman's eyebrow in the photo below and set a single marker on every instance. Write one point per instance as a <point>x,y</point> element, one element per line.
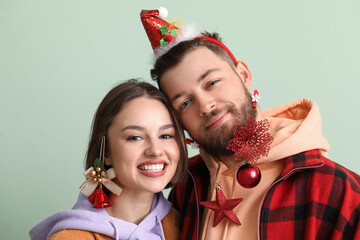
<point>132,127</point>
<point>167,126</point>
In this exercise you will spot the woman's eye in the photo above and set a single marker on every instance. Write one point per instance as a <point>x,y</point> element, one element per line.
<point>184,104</point>
<point>134,138</point>
<point>166,136</point>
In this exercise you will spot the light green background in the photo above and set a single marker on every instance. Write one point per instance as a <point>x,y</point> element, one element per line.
<point>59,58</point>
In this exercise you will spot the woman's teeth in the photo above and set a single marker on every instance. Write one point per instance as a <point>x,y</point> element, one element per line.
<point>152,167</point>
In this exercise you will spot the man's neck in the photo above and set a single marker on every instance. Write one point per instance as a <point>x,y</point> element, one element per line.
<point>229,161</point>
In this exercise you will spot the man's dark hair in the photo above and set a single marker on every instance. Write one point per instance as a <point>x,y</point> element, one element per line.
<point>174,56</point>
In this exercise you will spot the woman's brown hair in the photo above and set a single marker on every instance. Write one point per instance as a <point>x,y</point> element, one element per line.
<point>113,103</point>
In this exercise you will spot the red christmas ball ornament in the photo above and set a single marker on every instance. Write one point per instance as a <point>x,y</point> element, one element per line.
<point>169,38</point>
<point>248,175</point>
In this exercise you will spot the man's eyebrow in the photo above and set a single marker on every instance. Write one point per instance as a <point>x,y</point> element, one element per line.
<point>174,98</point>
<point>201,78</point>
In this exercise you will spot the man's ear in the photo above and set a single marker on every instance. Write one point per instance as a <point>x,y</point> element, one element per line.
<point>243,70</point>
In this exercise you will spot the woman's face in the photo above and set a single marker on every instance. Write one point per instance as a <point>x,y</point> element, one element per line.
<point>142,146</point>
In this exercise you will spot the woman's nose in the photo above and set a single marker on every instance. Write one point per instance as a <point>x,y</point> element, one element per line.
<point>154,149</point>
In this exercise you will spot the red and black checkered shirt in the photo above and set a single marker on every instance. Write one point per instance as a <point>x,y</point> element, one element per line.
<point>313,198</point>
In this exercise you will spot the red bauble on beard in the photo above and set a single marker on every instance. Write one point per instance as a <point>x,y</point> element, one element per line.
<point>248,175</point>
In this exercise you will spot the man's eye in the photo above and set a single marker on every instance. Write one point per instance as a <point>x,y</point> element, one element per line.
<point>133,138</point>
<point>184,104</point>
<point>212,83</point>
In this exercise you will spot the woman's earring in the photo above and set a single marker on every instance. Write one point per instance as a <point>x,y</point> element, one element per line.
<point>96,177</point>
<point>192,143</point>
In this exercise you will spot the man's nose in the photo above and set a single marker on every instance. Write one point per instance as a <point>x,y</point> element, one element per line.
<point>206,104</point>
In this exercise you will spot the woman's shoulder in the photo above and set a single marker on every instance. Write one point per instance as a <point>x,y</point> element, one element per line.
<point>171,223</point>
<point>68,234</point>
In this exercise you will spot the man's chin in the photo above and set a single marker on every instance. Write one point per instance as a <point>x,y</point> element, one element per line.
<point>215,141</point>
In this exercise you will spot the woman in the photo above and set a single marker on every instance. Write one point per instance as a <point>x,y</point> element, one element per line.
<point>137,137</point>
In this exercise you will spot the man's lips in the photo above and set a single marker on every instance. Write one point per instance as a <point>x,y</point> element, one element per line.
<point>217,120</point>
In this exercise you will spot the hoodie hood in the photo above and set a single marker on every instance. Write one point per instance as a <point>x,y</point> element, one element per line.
<point>296,127</point>
<point>84,217</point>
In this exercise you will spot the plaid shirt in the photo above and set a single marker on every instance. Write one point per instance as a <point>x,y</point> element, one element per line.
<point>313,198</point>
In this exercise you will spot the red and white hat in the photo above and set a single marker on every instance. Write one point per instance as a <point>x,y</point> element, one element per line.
<point>163,35</point>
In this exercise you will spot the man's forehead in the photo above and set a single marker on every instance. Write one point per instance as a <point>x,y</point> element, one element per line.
<point>171,86</point>
<point>192,69</point>
<point>193,65</point>
<point>201,53</point>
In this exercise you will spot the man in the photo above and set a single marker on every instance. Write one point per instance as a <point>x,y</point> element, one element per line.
<point>301,193</point>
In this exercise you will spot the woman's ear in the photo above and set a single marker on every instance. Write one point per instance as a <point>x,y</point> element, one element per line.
<point>243,70</point>
<point>108,161</point>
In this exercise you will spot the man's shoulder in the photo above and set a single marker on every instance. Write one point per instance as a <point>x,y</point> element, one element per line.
<point>336,189</point>
<point>197,165</point>
<point>327,174</point>
<point>195,160</point>
<point>323,195</point>
<point>319,165</point>
<point>198,176</point>
<point>340,174</point>
<point>321,176</point>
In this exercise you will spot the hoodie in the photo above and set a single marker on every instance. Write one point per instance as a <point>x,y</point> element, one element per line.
<point>296,127</point>
<point>84,217</point>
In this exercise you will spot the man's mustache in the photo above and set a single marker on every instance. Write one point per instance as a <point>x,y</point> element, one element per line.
<point>207,118</point>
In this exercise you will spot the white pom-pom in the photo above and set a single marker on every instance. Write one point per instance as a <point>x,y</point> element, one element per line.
<point>163,12</point>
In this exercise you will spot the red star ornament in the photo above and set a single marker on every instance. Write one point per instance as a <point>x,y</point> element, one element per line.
<point>223,207</point>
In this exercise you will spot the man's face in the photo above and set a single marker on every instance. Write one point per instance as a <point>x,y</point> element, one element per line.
<point>210,98</point>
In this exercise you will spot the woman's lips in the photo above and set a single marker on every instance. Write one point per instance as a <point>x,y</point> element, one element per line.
<point>218,120</point>
<point>153,168</point>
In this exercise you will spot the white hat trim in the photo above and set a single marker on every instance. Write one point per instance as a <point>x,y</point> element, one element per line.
<point>189,32</point>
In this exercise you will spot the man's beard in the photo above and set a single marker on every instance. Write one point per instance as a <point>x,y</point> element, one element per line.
<point>214,141</point>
